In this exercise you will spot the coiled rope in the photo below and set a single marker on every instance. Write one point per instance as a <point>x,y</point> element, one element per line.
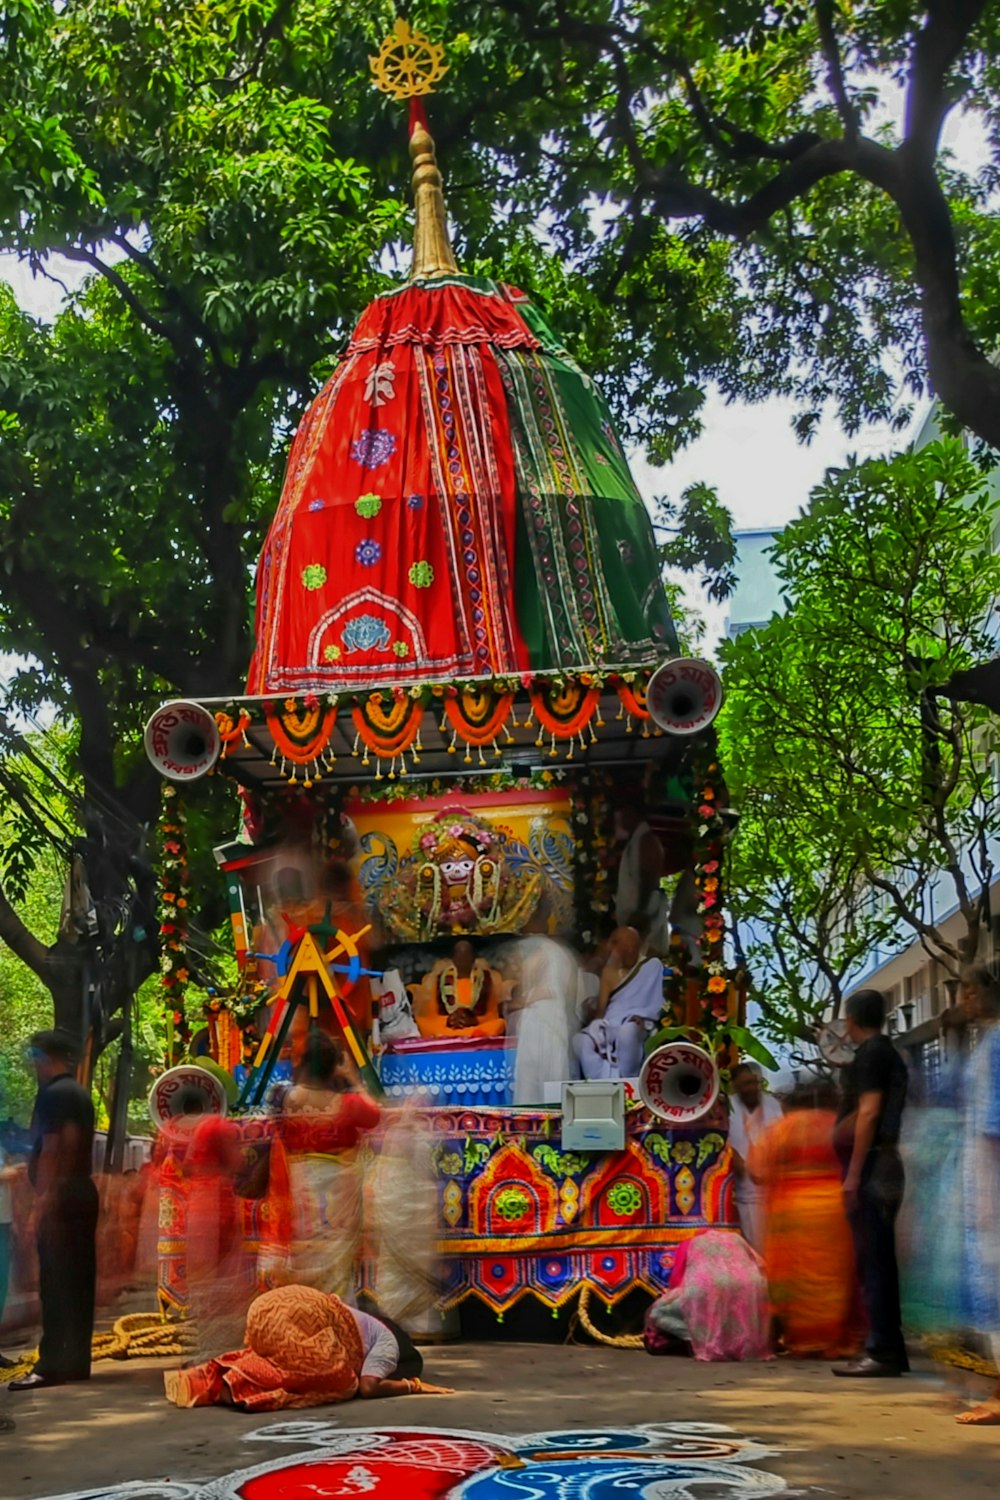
<point>132,1336</point>
<point>615,1340</point>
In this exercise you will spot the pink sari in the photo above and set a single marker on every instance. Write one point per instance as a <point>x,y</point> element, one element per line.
<point>717,1301</point>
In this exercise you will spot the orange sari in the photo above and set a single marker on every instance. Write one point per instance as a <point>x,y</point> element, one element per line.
<point>303,1348</point>
<point>809,1253</point>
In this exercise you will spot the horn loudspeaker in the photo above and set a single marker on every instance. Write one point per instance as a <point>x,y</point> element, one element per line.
<point>684,695</point>
<point>679,1082</point>
<point>182,741</point>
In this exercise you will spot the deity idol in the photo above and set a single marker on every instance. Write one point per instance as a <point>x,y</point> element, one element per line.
<point>459,879</point>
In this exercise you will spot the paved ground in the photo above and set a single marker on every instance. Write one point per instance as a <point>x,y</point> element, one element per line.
<point>893,1440</point>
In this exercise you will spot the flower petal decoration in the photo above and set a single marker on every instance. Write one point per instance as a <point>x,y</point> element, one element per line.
<point>373,447</point>
<point>313,576</point>
<point>368,552</point>
<point>421,575</point>
<point>368,505</point>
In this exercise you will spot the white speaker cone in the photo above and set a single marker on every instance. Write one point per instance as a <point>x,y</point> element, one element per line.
<point>182,741</point>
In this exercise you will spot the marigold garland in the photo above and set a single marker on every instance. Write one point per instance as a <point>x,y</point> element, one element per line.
<point>301,730</point>
<point>564,709</point>
<point>478,714</point>
<point>387,725</point>
<point>633,699</point>
<point>232,726</point>
<point>565,706</point>
<point>709,830</point>
<point>174,973</point>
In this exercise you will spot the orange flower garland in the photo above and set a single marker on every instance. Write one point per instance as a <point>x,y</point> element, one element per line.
<point>564,709</point>
<point>388,725</point>
<point>478,714</point>
<point>173,918</point>
<point>301,730</point>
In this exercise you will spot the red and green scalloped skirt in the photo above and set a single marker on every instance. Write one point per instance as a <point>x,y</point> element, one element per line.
<point>456,505</point>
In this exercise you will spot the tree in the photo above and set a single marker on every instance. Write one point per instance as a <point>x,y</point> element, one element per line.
<point>674,181</point>
<point>862,790</point>
<point>232,238</point>
<point>762,219</point>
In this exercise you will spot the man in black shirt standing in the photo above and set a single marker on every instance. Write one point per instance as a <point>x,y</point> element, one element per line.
<point>872,1112</point>
<point>62,1129</point>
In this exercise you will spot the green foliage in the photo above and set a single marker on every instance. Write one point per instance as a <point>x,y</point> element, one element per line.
<point>25,1004</point>
<point>700,193</point>
<point>859,782</point>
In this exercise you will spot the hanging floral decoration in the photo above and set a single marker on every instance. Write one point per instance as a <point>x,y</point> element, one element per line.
<point>174,970</point>
<point>592,818</point>
<point>564,708</point>
<point>632,696</point>
<point>705,1004</point>
<point>716,988</point>
<point>224,1035</point>
<point>415,789</point>
<point>478,713</point>
<point>232,726</point>
<point>388,725</point>
<point>301,730</point>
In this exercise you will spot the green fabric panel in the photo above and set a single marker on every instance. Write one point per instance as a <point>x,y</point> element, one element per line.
<point>528,599</point>
<point>613,608</point>
<point>541,328</point>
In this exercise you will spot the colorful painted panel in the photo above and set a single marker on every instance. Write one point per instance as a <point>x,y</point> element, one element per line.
<point>521,1215</point>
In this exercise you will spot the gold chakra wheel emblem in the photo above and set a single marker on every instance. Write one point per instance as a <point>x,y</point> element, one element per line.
<point>408,63</point>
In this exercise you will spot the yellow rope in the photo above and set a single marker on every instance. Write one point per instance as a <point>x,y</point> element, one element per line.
<point>616,1340</point>
<point>961,1359</point>
<point>132,1336</point>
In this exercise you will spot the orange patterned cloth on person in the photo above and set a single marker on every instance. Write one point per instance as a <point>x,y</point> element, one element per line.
<point>808,1251</point>
<point>303,1348</point>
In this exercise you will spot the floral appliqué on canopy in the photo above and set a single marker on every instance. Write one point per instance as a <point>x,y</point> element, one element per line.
<point>373,447</point>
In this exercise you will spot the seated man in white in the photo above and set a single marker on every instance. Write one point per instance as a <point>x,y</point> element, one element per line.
<point>628,1008</point>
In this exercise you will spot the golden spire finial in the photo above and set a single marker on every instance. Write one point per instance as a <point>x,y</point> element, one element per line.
<point>408,66</point>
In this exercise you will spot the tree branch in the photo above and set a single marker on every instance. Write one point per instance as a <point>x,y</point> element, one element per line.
<point>22,941</point>
<point>834,69</point>
<point>937,48</point>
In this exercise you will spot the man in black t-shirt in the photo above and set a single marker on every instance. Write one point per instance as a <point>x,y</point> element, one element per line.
<point>62,1129</point>
<point>874,1095</point>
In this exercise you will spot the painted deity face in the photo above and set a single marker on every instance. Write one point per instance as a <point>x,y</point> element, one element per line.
<point>457,871</point>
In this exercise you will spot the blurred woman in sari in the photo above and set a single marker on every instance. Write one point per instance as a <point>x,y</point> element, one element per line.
<point>221,1270</point>
<point>808,1250</point>
<point>322,1124</point>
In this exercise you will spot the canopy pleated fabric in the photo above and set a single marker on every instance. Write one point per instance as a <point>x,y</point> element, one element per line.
<point>456,505</point>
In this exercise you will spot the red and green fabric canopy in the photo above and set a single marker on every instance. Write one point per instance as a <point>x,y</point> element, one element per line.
<point>456,505</point>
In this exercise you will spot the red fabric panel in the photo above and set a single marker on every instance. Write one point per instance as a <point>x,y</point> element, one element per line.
<point>442,314</point>
<point>391,556</point>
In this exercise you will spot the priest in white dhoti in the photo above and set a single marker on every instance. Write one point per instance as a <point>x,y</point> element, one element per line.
<point>639,898</point>
<point>541,1013</point>
<point>628,1009</point>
